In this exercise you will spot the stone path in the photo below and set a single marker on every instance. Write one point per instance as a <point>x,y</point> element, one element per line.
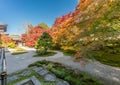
<point>106,74</point>
<point>46,77</point>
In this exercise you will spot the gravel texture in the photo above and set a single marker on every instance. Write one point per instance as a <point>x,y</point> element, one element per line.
<point>104,73</point>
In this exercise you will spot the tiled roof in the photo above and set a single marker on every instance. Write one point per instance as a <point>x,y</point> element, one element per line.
<point>15,37</point>
<point>3,27</point>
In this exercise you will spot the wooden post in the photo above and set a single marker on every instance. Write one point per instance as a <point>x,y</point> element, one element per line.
<point>3,68</point>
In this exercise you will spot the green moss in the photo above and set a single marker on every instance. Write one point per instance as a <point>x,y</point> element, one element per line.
<point>68,52</point>
<point>79,78</point>
<point>40,78</point>
<point>106,56</point>
<point>19,52</point>
<point>38,63</point>
<point>46,54</point>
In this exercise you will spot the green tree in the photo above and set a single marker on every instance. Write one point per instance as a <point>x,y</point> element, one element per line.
<point>44,43</point>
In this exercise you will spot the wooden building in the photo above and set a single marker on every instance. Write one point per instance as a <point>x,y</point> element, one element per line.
<point>16,39</point>
<point>3,28</point>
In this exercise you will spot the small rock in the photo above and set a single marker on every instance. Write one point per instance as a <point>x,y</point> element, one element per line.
<point>30,81</point>
<point>62,83</point>
<point>36,69</point>
<point>26,73</point>
<point>50,77</point>
<point>42,72</point>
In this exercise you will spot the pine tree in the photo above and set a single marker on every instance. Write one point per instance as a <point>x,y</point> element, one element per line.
<point>44,43</point>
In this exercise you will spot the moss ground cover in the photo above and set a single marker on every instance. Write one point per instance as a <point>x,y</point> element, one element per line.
<point>45,55</point>
<point>18,52</point>
<point>109,56</point>
<point>74,78</point>
<point>40,78</point>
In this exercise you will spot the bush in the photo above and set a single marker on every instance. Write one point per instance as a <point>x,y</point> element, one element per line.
<point>44,43</point>
<point>108,56</point>
<point>69,52</point>
<point>40,51</point>
<point>20,49</point>
<point>11,45</point>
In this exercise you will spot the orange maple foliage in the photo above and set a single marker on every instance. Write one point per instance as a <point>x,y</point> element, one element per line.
<point>33,34</point>
<point>6,39</point>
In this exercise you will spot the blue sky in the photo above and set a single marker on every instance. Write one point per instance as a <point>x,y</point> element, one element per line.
<point>18,13</point>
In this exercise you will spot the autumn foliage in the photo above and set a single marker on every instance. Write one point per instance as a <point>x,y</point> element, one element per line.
<point>6,39</point>
<point>32,35</point>
<point>80,29</point>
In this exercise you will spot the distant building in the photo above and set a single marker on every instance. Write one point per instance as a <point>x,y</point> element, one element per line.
<point>16,39</point>
<point>3,28</point>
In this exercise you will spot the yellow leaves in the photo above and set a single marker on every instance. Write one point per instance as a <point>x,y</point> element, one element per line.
<point>67,47</point>
<point>111,0</point>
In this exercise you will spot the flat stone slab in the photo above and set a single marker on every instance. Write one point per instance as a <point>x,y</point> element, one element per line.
<point>30,81</point>
<point>13,78</point>
<point>50,77</point>
<point>42,72</point>
<point>62,83</point>
<point>36,69</point>
<point>26,73</point>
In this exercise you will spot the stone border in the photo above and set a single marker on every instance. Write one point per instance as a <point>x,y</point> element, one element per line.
<point>33,79</point>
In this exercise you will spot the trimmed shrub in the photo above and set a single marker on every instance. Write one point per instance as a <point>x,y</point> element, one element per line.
<point>11,45</point>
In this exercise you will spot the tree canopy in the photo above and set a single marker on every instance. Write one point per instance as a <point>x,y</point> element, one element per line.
<point>43,25</point>
<point>44,43</point>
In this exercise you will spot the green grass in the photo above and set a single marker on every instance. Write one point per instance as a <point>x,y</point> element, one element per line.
<point>105,57</point>
<point>74,78</point>
<point>19,52</point>
<point>46,54</point>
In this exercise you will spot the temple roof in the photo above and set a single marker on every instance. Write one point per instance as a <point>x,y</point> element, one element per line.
<point>2,24</point>
<point>15,37</point>
<point>3,27</point>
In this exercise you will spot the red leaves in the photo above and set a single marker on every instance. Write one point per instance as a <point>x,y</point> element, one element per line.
<point>63,18</point>
<point>24,38</point>
<point>31,37</point>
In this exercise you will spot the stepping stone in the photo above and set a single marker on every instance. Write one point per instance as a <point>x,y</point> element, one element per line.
<point>50,78</point>
<point>36,69</point>
<point>42,72</point>
<point>13,78</point>
<point>26,73</point>
<point>30,81</point>
<point>62,83</point>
